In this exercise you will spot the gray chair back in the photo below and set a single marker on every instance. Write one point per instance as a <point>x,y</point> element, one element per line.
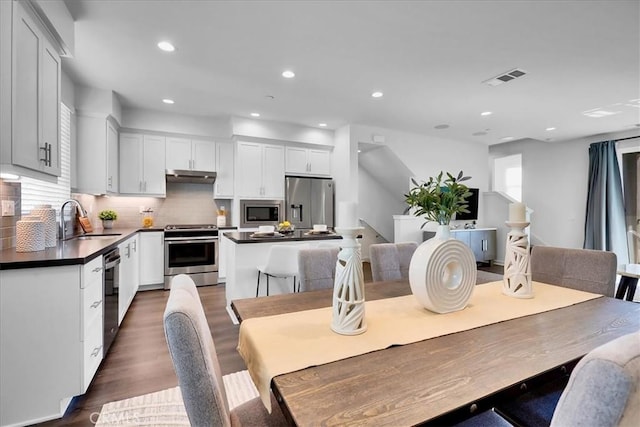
<point>194,356</point>
<point>317,268</point>
<point>604,387</point>
<point>582,269</point>
<point>390,261</point>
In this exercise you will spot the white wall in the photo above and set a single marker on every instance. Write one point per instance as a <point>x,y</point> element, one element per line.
<point>280,131</point>
<point>344,168</point>
<point>386,204</point>
<point>554,185</point>
<point>426,156</point>
<point>93,100</point>
<point>160,121</point>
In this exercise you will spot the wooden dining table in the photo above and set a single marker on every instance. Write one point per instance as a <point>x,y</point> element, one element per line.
<point>442,378</point>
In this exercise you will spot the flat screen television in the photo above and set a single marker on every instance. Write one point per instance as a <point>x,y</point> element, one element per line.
<point>473,207</point>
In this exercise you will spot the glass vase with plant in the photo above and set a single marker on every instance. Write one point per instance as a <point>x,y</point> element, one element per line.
<point>440,198</point>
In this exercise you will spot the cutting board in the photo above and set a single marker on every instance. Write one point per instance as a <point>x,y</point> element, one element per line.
<point>85,223</point>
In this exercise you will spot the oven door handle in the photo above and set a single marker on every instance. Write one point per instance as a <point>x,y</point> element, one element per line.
<point>188,239</point>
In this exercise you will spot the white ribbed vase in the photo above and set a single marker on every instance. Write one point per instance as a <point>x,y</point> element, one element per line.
<point>30,234</point>
<point>48,216</point>
<point>348,288</point>
<point>442,273</point>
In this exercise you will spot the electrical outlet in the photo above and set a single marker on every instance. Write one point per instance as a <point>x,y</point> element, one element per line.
<point>8,208</point>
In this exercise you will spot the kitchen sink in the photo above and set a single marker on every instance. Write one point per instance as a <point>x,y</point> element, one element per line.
<point>96,236</point>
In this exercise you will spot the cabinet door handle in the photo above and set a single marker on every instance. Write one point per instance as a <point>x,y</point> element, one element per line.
<point>96,304</point>
<point>110,181</point>
<point>45,154</point>
<point>97,269</point>
<point>48,154</point>
<point>135,245</point>
<point>129,250</point>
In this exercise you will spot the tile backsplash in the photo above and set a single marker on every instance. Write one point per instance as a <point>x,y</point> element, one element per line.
<point>184,204</point>
<point>9,191</point>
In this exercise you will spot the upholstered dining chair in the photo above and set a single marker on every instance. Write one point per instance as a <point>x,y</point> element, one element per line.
<point>282,262</point>
<point>317,267</point>
<point>390,261</point>
<point>196,364</point>
<point>582,269</point>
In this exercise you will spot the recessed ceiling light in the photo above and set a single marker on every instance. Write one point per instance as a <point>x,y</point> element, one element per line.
<point>598,113</point>
<point>255,114</point>
<point>322,125</point>
<point>377,95</point>
<point>168,101</point>
<point>166,46</point>
<point>288,74</point>
<point>486,113</point>
<point>551,128</point>
<point>507,138</point>
<point>442,126</point>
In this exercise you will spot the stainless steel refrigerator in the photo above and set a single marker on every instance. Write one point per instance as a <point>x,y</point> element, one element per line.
<point>309,201</point>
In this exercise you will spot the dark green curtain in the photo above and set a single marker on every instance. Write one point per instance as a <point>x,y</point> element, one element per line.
<point>604,227</point>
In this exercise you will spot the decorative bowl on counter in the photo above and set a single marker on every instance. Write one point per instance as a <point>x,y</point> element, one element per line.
<point>285,227</point>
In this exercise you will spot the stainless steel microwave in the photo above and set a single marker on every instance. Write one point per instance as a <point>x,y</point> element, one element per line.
<point>254,213</point>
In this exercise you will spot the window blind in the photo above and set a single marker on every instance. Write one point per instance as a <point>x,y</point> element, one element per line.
<point>36,192</point>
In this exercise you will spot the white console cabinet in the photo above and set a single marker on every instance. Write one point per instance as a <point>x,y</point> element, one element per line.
<point>482,241</point>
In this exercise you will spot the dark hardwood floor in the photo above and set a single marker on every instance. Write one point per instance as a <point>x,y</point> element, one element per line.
<point>139,362</point>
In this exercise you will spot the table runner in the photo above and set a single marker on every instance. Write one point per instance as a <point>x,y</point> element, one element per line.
<point>275,345</point>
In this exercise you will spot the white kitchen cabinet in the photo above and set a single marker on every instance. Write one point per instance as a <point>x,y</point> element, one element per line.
<point>190,154</point>
<point>260,170</point>
<point>97,164</point>
<point>92,305</point>
<point>142,164</point>
<point>33,139</point>
<point>151,258</point>
<point>308,161</point>
<point>50,338</point>
<point>223,187</point>
<point>129,274</point>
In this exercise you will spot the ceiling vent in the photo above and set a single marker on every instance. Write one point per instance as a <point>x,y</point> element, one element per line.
<point>505,77</point>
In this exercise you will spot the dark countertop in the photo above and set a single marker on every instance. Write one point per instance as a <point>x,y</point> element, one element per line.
<point>241,237</point>
<point>68,252</point>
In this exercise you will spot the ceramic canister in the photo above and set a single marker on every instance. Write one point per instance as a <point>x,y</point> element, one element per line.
<point>48,215</point>
<point>30,234</point>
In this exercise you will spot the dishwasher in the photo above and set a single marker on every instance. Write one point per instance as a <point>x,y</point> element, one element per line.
<point>111,261</point>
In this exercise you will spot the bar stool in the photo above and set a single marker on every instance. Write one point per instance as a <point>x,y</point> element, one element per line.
<point>282,261</point>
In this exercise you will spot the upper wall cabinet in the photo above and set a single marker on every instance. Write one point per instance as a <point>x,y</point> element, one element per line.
<point>190,154</point>
<point>223,187</point>
<point>97,164</point>
<point>142,164</point>
<point>260,171</point>
<point>308,161</point>
<point>31,80</point>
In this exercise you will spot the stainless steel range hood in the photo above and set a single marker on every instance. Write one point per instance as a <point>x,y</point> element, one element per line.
<point>190,176</point>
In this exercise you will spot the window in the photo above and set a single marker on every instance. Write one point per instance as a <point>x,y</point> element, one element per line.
<point>507,176</point>
<point>37,192</point>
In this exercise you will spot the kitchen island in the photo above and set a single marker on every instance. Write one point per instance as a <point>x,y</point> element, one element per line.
<point>243,252</point>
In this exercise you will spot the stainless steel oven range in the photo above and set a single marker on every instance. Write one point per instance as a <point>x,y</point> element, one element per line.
<point>191,249</point>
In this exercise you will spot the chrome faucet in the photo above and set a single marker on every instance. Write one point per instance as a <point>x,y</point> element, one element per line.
<point>63,228</point>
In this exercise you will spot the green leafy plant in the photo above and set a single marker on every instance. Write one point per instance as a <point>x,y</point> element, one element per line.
<point>439,198</point>
<point>108,215</point>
